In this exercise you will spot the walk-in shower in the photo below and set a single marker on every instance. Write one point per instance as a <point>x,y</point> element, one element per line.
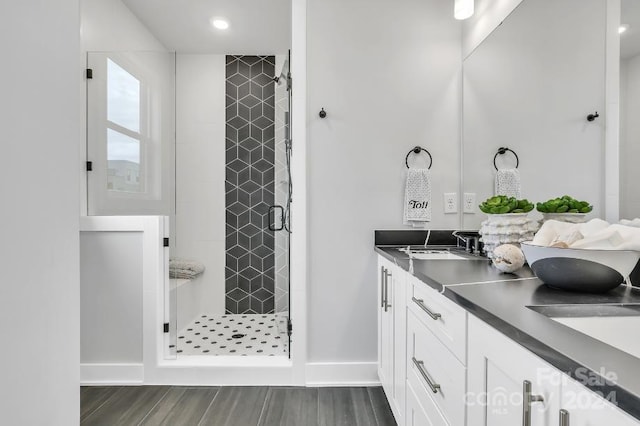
<point>222,177</point>
<point>257,224</point>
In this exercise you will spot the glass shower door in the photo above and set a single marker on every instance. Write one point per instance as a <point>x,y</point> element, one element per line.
<point>130,133</point>
<point>131,146</point>
<point>279,218</point>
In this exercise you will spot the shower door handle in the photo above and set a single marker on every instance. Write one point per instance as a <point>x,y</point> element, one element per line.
<point>272,210</point>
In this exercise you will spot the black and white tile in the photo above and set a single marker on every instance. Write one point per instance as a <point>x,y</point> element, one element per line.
<point>240,335</point>
<point>249,184</point>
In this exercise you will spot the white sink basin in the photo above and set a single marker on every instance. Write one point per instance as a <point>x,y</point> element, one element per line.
<point>430,254</point>
<point>614,331</point>
<point>613,324</point>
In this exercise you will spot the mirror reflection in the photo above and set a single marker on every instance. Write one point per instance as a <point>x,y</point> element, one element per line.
<point>629,108</point>
<point>530,86</point>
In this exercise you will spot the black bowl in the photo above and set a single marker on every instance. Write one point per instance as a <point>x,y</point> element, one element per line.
<point>572,274</point>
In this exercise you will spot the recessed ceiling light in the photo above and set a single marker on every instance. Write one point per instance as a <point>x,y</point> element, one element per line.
<point>220,23</point>
<point>463,9</point>
<point>622,28</point>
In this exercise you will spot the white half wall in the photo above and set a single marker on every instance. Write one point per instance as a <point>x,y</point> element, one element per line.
<point>39,295</point>
<point>111,297</point>
<point>386,88</point>
<point>200,176</point>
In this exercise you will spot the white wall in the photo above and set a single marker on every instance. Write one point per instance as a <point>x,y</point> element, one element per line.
<point>388,77</point>
<point>39,296</point>
<point>108,25</point>
<point>488,14</point>
<point>629,136</point>
<point>200,175</point>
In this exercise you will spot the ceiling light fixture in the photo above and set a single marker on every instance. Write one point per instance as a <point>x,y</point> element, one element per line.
<point>219,23</point>
<point>622,28</point>
<point>462,9</point>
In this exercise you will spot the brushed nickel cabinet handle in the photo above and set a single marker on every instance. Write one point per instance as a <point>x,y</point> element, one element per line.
<point>382,272</point>
<point>420,366</point>
<point>527,399</point>
<point>386,291</point>
<point>564,418</point>
<point>420,302</point>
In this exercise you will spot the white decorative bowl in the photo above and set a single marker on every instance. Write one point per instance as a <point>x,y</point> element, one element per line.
<point>584,270</point>
<point>505,217</point>
<point>565,217</point>
<point>508,228</point>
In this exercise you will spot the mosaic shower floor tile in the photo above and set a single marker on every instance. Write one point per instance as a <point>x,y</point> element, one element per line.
<point>241,334</point>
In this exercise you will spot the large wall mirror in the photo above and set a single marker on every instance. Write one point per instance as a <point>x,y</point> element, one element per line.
<point>629,109</point>
<point>530,86</point>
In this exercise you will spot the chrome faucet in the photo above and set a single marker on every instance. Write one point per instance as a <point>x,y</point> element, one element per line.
<point>470,240</point>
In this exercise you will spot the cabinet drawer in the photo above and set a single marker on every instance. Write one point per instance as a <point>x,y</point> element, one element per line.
<point>430,367</point>
<point>421,410</point>
<point>445,319</point>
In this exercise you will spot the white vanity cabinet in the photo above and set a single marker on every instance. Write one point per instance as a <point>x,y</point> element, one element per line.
<point>436,353</point>
<point>385,327</point>
<point>441,366</point>
<point>421,410</point>
<point>392,335</point>
<point>507,384</point>
<point>581,407</point>
<point>504,379</point>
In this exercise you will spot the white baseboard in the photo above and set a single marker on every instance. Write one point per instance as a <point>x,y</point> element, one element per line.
<point>317,374</point>
<point>111,374</point>
<point>342,374</point>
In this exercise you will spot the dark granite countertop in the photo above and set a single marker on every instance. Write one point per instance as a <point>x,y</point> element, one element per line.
<point>502,301</point>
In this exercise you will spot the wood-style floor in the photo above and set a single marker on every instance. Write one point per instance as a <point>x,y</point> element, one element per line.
<point>234,406</point>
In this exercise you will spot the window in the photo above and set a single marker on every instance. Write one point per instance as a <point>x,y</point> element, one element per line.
<point>124,136</point>
<point>131,133</point>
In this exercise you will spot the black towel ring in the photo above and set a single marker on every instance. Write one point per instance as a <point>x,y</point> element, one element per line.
<point>417,150</point>
<point>503,150</point>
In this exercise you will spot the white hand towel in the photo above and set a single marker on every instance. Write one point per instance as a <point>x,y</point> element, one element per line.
<point>417,199</point>
<point>508,183</point>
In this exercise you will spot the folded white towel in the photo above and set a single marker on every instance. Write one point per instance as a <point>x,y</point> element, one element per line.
<point>183,268</point>
<point>633,222</point>
<point>417,199</point>
<point>508,183</point>
<point>596,234</point>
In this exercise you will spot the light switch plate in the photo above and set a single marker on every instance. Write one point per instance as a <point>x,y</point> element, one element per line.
<point>450,202</point>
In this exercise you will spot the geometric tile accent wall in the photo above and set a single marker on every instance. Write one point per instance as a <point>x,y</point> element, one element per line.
<point>249,184</point>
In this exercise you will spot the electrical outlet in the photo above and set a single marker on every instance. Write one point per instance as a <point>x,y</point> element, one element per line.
<point>469,202</point>
<point>450,202</point>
